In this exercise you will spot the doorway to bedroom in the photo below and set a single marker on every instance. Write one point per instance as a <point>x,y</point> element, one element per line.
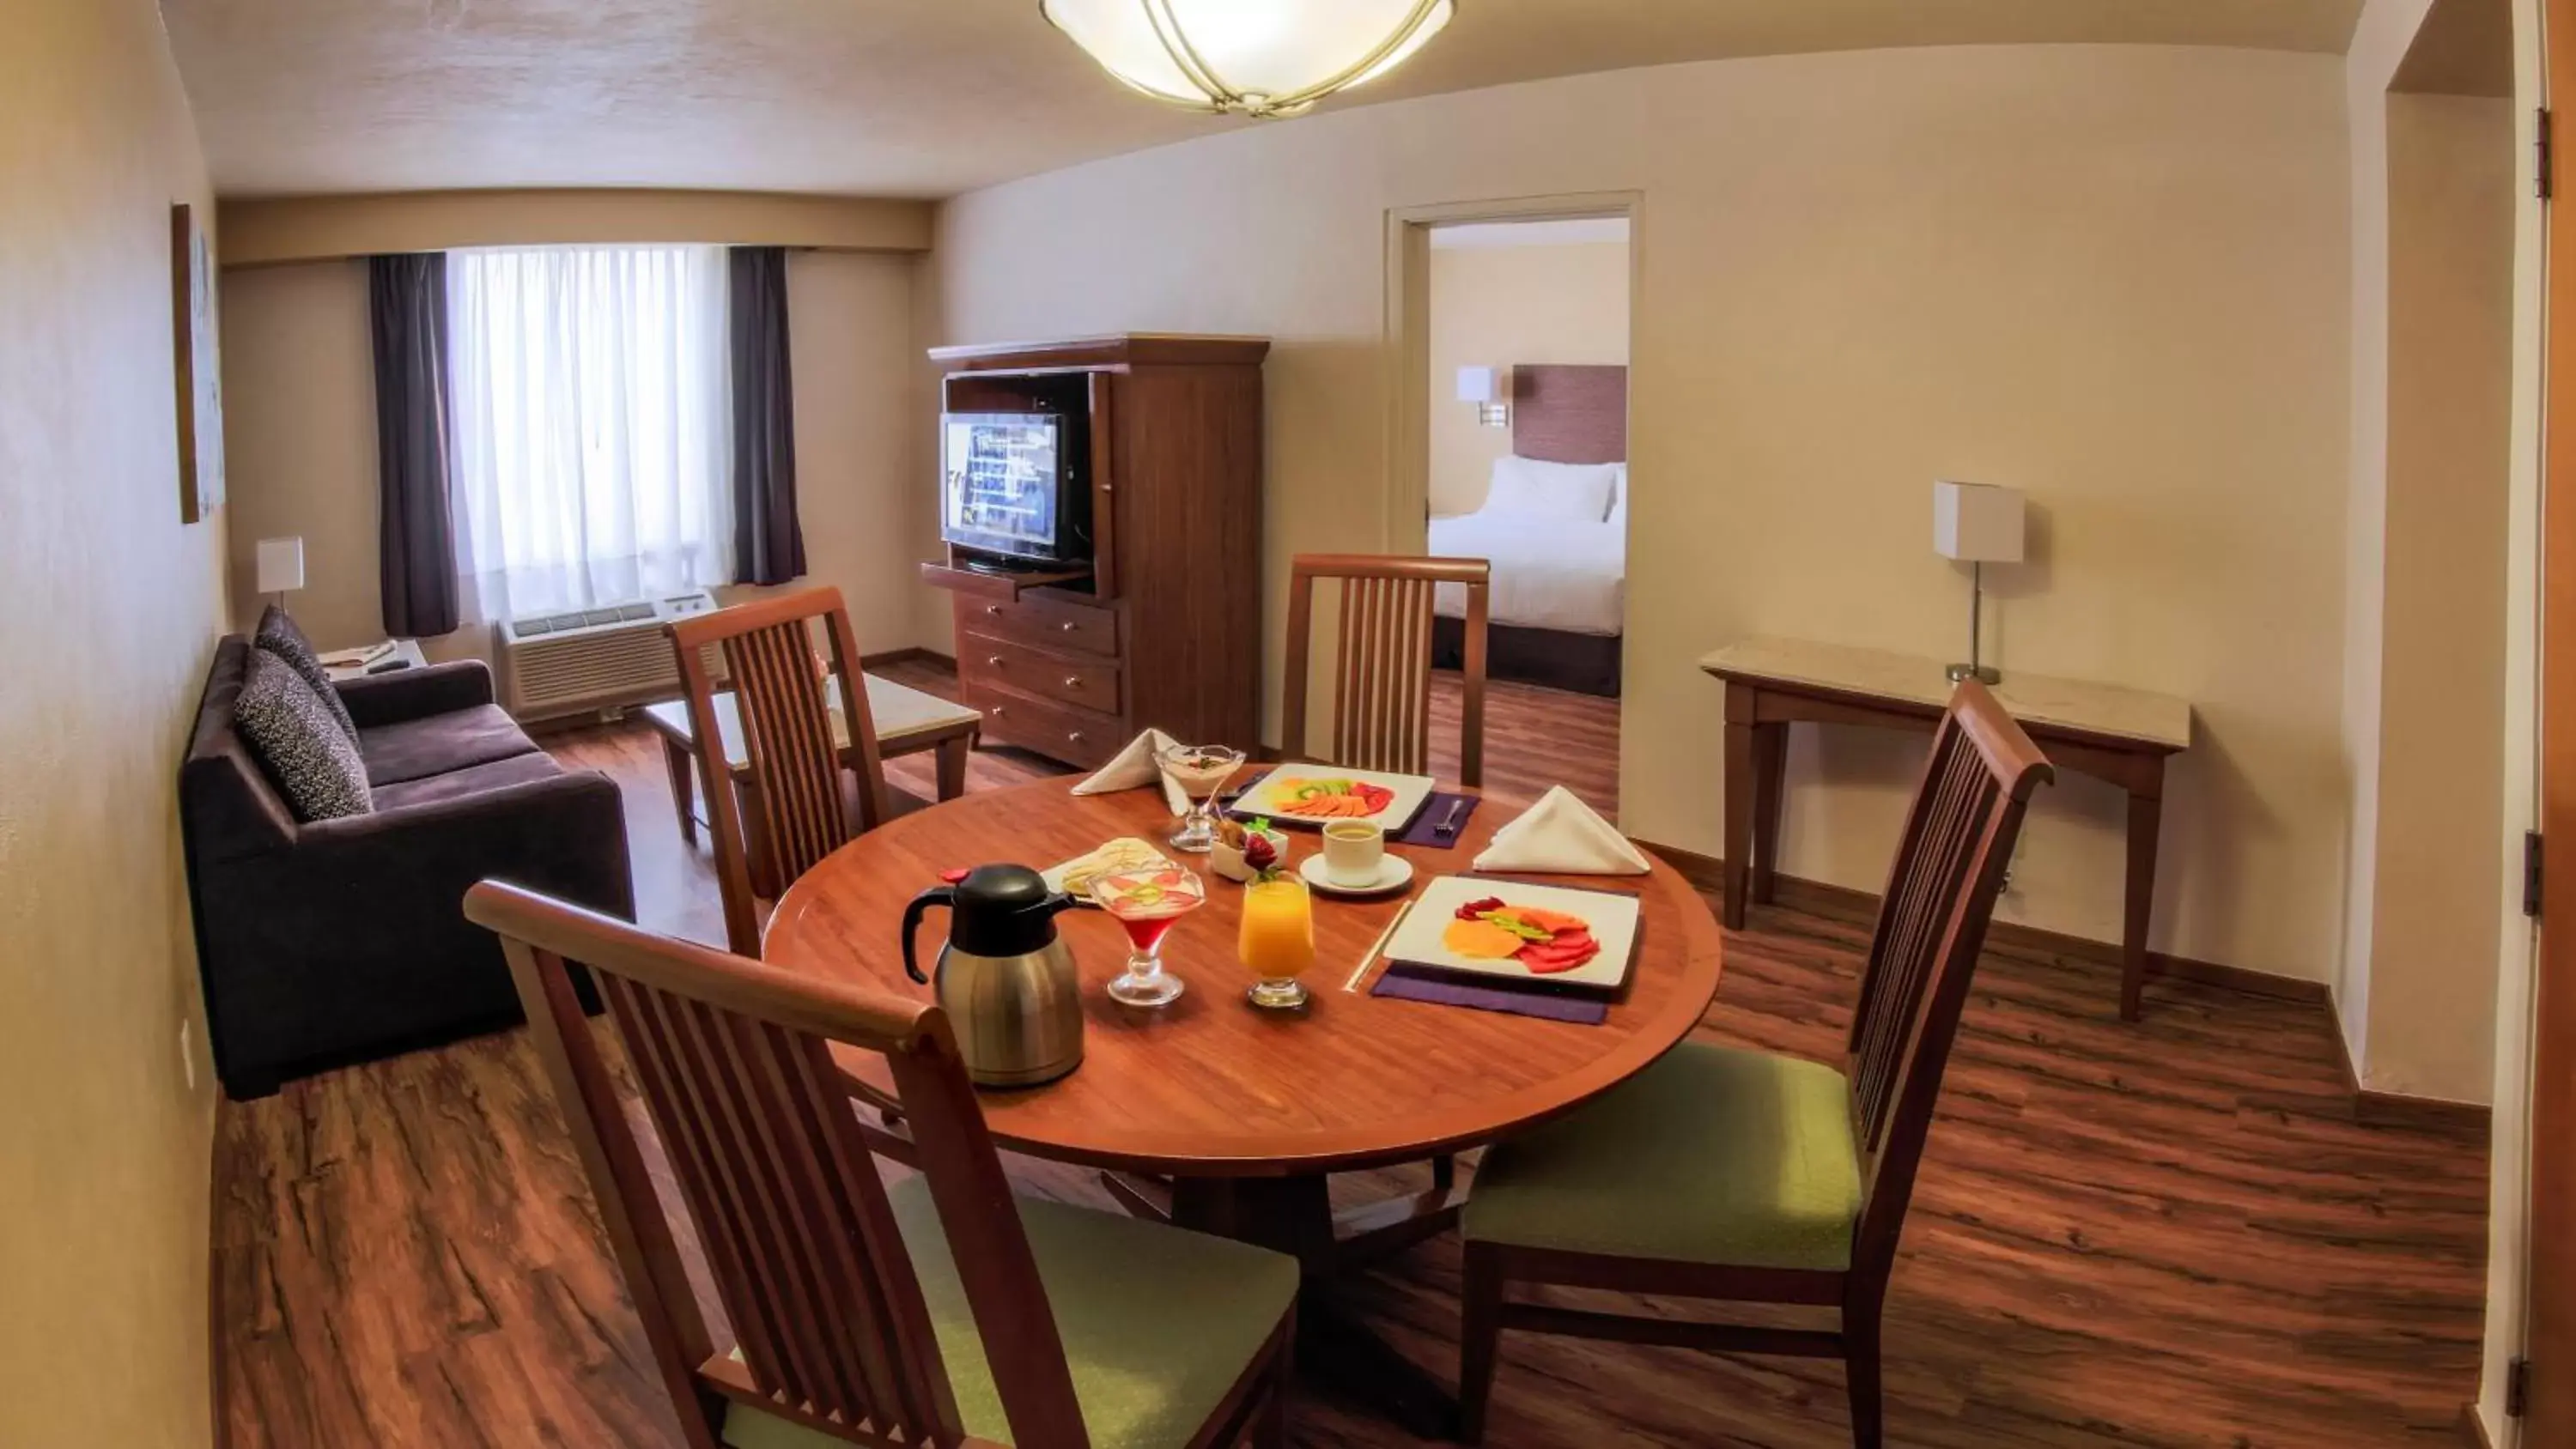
<point>1525,463</point>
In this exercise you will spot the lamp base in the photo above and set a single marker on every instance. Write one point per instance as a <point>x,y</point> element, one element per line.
<point>1982,673</point>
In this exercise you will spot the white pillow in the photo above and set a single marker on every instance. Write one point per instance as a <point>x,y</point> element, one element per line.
<point>1570,491</point>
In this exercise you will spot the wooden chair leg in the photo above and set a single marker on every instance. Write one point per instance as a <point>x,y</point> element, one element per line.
<point>1480,1334</point>
<point>1270,1431</point>
<point>1444,1172</point>
<point>1861,1376</point>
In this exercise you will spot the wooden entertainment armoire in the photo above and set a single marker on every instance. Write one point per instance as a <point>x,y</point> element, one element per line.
<point>1163,627</point>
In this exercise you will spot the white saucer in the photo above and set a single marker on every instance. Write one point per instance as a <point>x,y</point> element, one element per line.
<point>1394,872</point>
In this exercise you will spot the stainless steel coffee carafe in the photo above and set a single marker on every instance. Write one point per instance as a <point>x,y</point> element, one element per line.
<point>1005,978</point>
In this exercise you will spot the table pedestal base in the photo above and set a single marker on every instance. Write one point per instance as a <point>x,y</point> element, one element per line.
<point>1337,1352</point>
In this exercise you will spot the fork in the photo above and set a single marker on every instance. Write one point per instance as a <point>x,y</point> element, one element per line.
<point>1449,823</point>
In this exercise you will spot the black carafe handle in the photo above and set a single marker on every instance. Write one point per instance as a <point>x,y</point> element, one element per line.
<point>912,914</point>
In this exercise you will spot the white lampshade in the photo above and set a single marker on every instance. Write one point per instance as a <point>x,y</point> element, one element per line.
<point>1251,57</point>
<point>1976,522</point>
<point>281,565</point>
<point>1480,384</point>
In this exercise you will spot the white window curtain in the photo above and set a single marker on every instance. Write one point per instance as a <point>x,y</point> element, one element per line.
<point>593,427</point>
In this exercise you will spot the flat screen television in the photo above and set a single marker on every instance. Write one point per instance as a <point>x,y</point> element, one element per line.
<point>1012,487</point>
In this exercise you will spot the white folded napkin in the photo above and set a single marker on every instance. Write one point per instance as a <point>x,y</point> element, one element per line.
<point>1560,835</point>
<point>1136,766</point>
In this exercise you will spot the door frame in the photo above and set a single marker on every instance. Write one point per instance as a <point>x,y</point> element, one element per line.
<point>1408,334</point>
<point>2549,1326</point>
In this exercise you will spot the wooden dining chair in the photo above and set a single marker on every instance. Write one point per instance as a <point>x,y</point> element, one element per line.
<point>800,811</point>
<point>1721,1173</point>
<point>942,1311</point>
<point>1382,660</point>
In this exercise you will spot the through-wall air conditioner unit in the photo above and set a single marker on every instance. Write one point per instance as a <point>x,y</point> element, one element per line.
<point>580,661</point>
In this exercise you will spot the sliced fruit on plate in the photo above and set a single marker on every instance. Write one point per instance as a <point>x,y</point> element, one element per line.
<point>1546,942</point>
<point>1481,940</point>
<point>1328,798</point>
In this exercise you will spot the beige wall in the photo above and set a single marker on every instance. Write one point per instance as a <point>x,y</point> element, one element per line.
<point>264,231</point>
<point>2110,276</point>
<point>301,429</point>
<point>109,616</point>
<point>1504,305</point>
<point>2450,179</point>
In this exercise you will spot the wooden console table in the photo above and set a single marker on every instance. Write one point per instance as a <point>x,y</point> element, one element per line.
<point>2115,734</point>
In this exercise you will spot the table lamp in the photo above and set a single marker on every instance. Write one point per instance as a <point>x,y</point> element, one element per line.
<point>1976,524</point>
<point>281,567</point>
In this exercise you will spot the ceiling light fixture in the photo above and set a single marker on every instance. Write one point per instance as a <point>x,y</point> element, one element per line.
<point>1248,57</point>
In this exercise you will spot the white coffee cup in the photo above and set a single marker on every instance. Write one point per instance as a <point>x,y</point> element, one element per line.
<point>1354,851</point>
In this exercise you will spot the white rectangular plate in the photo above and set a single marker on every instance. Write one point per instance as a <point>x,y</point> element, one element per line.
<point>1612,915</point>
<point>1411,791</point>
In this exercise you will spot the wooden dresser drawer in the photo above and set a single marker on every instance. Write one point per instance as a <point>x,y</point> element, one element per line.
<point>1049,623</point>
<point>1075,679</point>
<point>1077,736</point>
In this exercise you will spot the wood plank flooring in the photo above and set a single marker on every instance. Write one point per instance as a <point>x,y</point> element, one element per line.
<point>2173,1233</point>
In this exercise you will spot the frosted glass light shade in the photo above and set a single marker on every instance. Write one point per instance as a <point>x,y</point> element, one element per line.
<point>1480,385</point>
<point>1976,522</point>
<point>281,565</point>
<point>1249,57</point>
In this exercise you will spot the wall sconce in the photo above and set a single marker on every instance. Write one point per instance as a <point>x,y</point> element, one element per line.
<point>1483,386</point>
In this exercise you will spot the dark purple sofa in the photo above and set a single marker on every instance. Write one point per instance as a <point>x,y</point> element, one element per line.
<point>344,940</point>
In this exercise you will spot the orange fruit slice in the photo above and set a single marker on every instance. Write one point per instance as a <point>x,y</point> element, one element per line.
<point>1480,940</point>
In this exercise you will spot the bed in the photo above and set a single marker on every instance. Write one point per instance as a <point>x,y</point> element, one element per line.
<point>1555,527</point>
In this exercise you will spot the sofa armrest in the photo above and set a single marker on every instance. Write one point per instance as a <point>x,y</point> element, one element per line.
<point>351,940</point>
<point>408,694</point>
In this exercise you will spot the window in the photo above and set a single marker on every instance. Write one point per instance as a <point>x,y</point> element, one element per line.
<point>593,428</point>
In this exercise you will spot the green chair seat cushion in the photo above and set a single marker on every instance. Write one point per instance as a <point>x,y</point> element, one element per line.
<point>1158,1324</point>
<point>1711,1155</point>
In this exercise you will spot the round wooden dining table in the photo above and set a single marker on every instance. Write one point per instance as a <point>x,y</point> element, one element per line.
<point>1219,1117</point>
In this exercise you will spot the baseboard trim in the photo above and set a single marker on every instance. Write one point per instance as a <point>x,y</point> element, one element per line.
<point>2395,1109</point>
<point>2473,1428</point>
<point>906,656</point>
<point>2384,1109</point>
<point>1709,874</point>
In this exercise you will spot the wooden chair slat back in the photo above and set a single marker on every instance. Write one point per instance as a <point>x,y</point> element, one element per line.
<point>1932,922</point>
<point>779,1182</point>
<point>794,765</point>
<point>1382,659</point>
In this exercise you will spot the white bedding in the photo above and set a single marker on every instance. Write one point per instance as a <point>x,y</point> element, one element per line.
<point>1549,573</point>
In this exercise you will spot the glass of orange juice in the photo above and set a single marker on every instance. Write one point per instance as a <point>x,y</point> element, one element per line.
<point>1278,941</point>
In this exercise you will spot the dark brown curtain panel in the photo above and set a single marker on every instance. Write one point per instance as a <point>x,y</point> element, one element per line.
<point>407,307</point>
<point>768,544</point>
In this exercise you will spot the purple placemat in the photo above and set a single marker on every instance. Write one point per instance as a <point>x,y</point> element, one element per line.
<point>1405,984</point>
<point>1425,829</point>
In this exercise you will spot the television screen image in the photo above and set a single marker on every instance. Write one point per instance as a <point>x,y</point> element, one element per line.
<point>1004,483</point>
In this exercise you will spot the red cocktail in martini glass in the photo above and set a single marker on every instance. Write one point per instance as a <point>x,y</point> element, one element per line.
<point>1148,903</point>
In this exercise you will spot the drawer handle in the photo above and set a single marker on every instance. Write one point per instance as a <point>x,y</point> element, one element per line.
<point>993,659</point>
<point>1067,626</point>
<point>1073,681</point>
<point>993,609</point>
<point>997,709</point>
<point>1073,737</point>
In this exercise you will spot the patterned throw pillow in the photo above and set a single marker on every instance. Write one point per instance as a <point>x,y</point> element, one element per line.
<point>279,636</point>
<point>315,765</point>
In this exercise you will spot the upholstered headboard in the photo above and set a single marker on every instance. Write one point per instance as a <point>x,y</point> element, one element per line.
<point>1563,413</point>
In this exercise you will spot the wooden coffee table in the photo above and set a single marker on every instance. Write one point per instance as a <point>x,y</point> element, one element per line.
<point>908,721</point>
<point>1217,1117</point>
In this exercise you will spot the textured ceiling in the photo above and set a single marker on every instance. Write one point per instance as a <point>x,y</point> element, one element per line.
<point>918,97</point>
